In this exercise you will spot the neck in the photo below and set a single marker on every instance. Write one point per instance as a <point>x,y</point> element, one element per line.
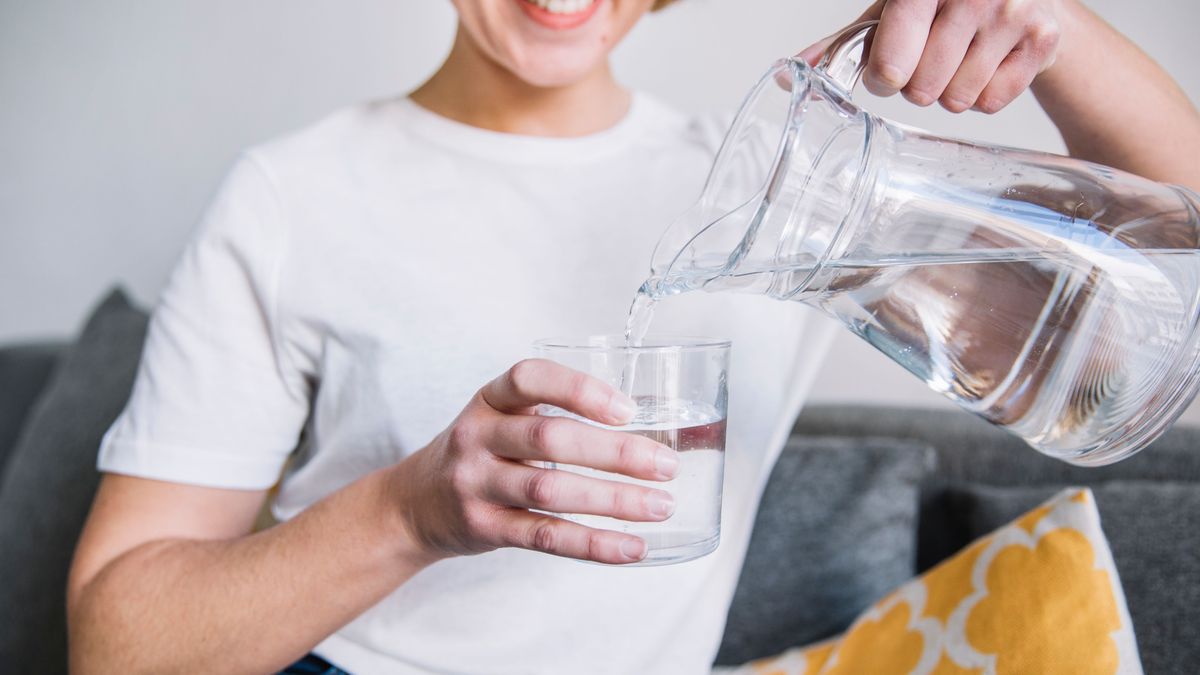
<point>473,89</point>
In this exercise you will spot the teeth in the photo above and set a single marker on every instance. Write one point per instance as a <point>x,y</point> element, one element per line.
<point>563,6</point>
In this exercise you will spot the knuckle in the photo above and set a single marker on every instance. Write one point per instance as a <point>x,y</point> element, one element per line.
<point>594,545</point>
<point>543,536</point>
<point>523,375</point>
<point>543,432</point>
<point>579,388</point>
<point>462,479</point>
<point>630,455</point>
<point>461,436</point>
<point>618,502</point>
<point>541,489</point>
<point>475,521</point>
<point>1012,11</point>
<point>1044,38</point>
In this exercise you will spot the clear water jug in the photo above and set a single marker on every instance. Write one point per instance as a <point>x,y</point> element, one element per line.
<point>1053,297</point>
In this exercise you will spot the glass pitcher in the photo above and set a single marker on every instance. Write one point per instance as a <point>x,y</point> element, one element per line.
<point>1053,297</point>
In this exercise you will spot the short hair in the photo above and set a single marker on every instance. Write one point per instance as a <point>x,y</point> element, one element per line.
<point>659,4</point>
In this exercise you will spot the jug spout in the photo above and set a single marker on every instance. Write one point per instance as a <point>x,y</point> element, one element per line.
<point>695,252</point>
<point>716,236</point>
<point>784,185</point>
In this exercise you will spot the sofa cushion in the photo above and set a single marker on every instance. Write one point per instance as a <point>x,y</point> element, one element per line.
<point>834,531</point>
<point>51,477</point>
<point>1040,595</point>
<point>24,370</point>
<point>1152,528</point>
<point>971,450</point>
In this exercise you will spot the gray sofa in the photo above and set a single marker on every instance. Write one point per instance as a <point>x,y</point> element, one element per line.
<point>860,501</point>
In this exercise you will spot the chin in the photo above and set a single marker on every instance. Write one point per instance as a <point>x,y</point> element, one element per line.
<point>557,67</point>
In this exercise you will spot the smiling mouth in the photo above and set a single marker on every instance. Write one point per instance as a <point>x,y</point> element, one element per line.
<point>560,14</point>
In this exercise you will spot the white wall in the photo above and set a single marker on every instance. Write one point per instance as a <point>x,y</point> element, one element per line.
<point>117,119</point>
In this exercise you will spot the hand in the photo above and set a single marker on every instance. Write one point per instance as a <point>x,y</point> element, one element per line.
<point>470,490</point>
<point>965,54</point>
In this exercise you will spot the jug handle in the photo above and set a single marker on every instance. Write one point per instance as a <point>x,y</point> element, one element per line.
<point>845,58</point>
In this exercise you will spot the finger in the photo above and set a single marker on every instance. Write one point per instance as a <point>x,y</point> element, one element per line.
<point>540,532</point>
<point>566,441</point>
<point>1012,78</point>
<point>949,39</point>
<point>535,381</point>
<point>898,44</point>
<point>812,53</point>
<point>977,70</point>
<point>560,491</point>
<point>1018,70</point>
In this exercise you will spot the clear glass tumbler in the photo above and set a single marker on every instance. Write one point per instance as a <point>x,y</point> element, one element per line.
<point>680,386</point>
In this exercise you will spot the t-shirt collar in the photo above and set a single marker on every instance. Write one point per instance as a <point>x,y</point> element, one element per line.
<point>510,148</point>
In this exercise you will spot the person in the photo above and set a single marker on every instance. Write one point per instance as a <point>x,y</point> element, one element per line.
<point>354,289</point>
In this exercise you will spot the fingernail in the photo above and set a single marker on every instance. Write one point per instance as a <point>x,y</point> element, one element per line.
<point>634,549</point>
<point>957,105</point>
<point>622,407</point>
<point>661,504</point>
<point>666,462</point>
<point>891,76</point>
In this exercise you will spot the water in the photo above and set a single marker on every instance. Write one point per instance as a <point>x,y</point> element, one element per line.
<point>697,431</point>
<point>1062,349</point>
<point>641,313</point>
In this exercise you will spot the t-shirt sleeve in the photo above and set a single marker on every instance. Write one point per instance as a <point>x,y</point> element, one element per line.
<point>216,402</point>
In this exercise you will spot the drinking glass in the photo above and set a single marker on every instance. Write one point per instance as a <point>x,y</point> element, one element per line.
<point>680,387</point>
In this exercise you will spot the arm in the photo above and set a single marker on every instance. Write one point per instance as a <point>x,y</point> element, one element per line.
<point>1110,101</point>
<point>166,576</point>
<point>1132,116</point>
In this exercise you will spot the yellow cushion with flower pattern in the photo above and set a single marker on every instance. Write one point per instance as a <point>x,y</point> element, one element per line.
<point>1040,595</point>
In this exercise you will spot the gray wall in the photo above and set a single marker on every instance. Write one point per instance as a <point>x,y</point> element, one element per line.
<point>118,118</point>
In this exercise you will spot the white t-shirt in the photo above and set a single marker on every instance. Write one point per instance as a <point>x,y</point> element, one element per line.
<point>354,284</point>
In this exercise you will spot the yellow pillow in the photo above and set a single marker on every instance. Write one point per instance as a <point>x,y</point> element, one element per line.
<point>1039,595</point>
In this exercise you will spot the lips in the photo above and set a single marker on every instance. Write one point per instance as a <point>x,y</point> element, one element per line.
<point>560,14</point>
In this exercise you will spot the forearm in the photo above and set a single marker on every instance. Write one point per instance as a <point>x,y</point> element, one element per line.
<point>252,604</point>
<point>1114,105</point>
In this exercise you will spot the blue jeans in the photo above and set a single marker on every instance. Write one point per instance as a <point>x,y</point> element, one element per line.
<point>313,665</point>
